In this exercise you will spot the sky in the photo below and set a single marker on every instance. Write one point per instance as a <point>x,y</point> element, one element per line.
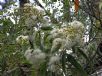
<point>17,2</point>
<point>1,1</point>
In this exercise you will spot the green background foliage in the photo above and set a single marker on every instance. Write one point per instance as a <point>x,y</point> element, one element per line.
<point>83,61</point>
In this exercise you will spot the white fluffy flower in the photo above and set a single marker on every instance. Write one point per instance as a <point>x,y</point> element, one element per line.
<point>69,43</point>
<point>54,59</point>
<point>28,54</point>
<point>36,57</point>
<point>57,43</point>
<point>27,4</point>
<point>29,22</point>
<point>53,63</point>
<point>79,40</point>
<point>78,25</point>
<point>56,33</point>
<point>21,36</point>
<point>22,39</point>
<point>39,54</point>
<point>76,41</point>
<point>34,17</point>
<point>69,36</point>
<point>52,68</point>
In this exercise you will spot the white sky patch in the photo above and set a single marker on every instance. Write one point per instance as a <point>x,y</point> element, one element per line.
<point>43,4</point>
<point>32,1</point>
<point>0,7</point>
<point>17,3</point>
<point>2,1</point>
<point>86,38</point>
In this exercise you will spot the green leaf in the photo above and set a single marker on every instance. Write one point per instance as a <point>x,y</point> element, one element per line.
<point>78,67</point>
<point>54,0</point>
<point>66,7</point>
<point>3,64</point>
<point>42,71</point>
<point>55,48</point>
<point>63,62</point>
<point>1,12</point>
<point>45,28</point>
<point>100,5</point>
<point>83,54</point>
<point>37,39</point>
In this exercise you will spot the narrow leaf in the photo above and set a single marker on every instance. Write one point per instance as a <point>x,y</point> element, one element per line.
<point>83,54</point>
<point>78,67</point>
<point>45,28</point>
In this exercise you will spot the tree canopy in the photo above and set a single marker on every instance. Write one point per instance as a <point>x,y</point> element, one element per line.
<point>50,37</point>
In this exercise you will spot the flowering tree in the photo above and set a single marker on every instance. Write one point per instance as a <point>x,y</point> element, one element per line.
<point>59,38</point>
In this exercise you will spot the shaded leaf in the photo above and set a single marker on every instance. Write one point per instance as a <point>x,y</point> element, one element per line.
<point>78,67</point>
<point>46,28</point>
<point>83,54</point>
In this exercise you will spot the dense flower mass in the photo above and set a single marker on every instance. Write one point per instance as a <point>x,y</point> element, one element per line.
<point>69,36</point>
<point>32,15</point>
<point>36,57</point>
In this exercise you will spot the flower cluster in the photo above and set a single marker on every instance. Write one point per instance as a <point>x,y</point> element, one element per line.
<point>53,64</point>
<point>35,57</point>
<point>32,15</point>
<point>22,39</point>
<point>69,36</point>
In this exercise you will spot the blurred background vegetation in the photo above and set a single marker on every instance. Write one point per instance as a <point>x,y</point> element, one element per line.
<point>27,24</point>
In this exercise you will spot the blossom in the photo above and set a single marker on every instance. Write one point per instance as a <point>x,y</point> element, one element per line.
<point>31,15</point>
<point>57,43</point>
<point>28,54</point>
<point>36,57</point>
<point>69,36</point>
<point>55,33</point>
<point>27,4</point>
<point>54,59</point>
<point>74,28</point>
<point>22,39</point>
<point>52,68</point>
<point>78,26</point>
<point>53,63</point>
<point>69,43</point>
<point>30,21</point>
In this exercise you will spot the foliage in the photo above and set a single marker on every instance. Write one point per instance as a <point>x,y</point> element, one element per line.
<point>49,42</point>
